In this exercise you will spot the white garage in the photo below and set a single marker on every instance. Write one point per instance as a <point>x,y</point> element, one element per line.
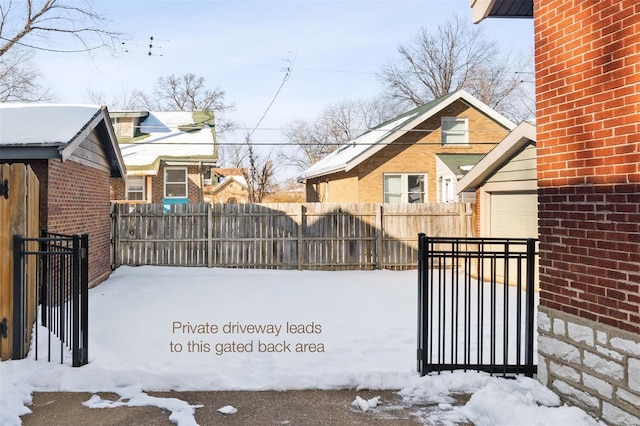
<point>505,184</point>
<point>506,187</point>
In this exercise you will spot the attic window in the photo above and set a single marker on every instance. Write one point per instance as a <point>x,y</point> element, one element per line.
<point>455,130</point>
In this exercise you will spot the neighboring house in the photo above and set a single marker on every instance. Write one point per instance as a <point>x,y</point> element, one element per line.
<point>414,158</point>
<point>73,151</point>
<point>505,187</point>
<point>168,155</point>
<point>226,186</point>
<point>588,144</point>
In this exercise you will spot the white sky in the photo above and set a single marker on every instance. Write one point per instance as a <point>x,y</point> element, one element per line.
<point>335,48</point>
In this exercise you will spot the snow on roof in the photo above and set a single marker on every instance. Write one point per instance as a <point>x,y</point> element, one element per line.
<point>43,124</point>
<point>339,158</point>
<point>167,140</point>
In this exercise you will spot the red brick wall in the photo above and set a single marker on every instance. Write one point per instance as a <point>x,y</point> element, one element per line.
<point>78,202</point>
<point>193,175</point>
<point>118,189</point>
<point>587,56</point>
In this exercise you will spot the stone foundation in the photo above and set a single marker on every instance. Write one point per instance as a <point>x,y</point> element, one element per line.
<point>590,365</point>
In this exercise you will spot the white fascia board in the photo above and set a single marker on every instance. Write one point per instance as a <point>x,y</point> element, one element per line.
<point>480,9</point>
<point>485,109</point>
<point>521,136</point>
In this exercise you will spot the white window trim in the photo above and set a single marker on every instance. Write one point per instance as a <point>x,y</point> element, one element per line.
<point>144,187</point>
<point>465,132</point>
<point>404,183</point>
<point>186,182</point>
<point>446,193</point>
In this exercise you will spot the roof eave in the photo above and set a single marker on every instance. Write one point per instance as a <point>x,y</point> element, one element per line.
<point>102,124</point>
<point>480,9</point>
<point>513,143</point>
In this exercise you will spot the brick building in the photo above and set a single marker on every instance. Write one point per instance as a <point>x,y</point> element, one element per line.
<point>169,156</point>
<point>416,157</point>
<point>74,154</point>
<point>587,57</point>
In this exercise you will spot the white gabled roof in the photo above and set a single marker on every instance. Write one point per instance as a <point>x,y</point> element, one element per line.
<point>168,141</point>
<point>43,124</point>
<point>510,146</point>
<point>348,156</point>
<point>40,131</point>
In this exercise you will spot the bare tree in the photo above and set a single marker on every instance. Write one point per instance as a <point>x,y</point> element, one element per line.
<point>124,100</point>
<point>18,79</point>
<point>454,56</point>
<point>338,124</point>
<point>185,93</point>
<point>259,175</point>
<point>232,155</point>
<point>31,23</point>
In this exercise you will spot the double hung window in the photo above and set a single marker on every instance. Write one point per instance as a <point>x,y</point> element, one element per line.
<point>405,187</point>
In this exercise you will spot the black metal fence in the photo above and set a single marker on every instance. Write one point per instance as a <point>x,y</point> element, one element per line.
<point>476,305</point>
<point>62,277</point>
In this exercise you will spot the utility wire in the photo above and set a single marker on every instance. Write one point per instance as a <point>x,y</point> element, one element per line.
<point>284,80</point>
<point>88,49</point>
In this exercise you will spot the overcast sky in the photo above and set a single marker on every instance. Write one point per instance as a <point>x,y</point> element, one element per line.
<point>334,50</point>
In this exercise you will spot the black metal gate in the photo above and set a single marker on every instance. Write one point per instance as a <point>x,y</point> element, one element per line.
<point>62,279</point>
<point>476,305</point>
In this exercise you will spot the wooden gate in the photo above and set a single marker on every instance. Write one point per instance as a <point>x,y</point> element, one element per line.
<point>19,215</point>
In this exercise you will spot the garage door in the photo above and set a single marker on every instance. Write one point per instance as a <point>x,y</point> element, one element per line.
<point>514,215</point>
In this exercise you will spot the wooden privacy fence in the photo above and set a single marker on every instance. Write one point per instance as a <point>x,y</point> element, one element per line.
<point>283,235</point>
<point>19,215</point>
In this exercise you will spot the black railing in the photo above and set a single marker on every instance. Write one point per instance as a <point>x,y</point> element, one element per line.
<point>62,277</point>
<point>476,305</point>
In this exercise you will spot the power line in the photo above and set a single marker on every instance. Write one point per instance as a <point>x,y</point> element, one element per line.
<point>284,80</point>
<point>347,145</point>
<point>88,49</point>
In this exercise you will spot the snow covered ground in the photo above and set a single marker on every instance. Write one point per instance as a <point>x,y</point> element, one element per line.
<point>161,328</point>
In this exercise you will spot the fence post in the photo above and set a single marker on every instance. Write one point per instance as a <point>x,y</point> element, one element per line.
<point>209,235</point>
<point>530,307</point>
<point>379,237</point>
<point>300,239</point>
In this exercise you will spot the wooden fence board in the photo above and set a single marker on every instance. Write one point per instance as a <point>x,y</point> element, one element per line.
<point>282,235</point>
<point>19,215</point>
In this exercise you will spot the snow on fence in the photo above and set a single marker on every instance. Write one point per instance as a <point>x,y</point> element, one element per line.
<point>282,235</point>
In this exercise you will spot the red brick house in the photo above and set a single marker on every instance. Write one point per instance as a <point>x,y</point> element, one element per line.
<point>73,151</point>
<point>587,58</point>
<point>169,156</point>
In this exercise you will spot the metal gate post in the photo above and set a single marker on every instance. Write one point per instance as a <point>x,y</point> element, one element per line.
<point>18,300</point>
<point>423,269</point>
<point>530,368</point>
<point>75,295</point>
<point>84,299</point>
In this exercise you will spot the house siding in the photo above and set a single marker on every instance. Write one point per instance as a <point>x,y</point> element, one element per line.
<point>588,127</point>
<point>519,169</point>
<point>414,152</point>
